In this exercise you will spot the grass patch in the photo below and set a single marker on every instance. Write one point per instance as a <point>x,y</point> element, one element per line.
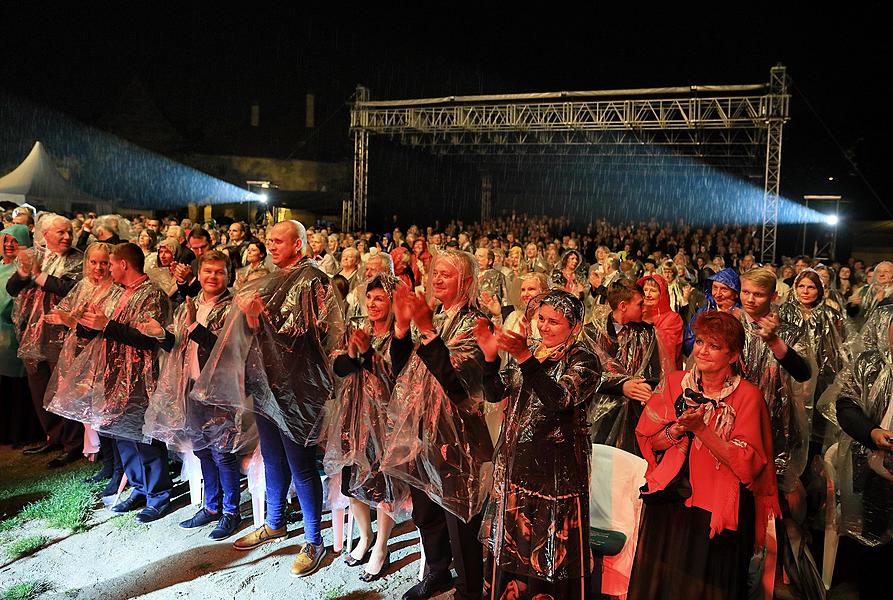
<point>68,505</point>
<point>126,523</point>
<point>26,590</point>
<point>24,546</point>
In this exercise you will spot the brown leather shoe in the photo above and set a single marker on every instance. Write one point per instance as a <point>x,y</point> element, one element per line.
<point>260,536</point>
<point>308,560</point>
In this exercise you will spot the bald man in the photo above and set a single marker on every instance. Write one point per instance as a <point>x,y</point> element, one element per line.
<point>293,318</point>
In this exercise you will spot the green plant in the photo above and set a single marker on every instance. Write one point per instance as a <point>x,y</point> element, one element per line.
<point>25,590</point>
<point>24,546</point>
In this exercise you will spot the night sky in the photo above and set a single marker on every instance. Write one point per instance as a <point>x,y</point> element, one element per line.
<point>204,69</point>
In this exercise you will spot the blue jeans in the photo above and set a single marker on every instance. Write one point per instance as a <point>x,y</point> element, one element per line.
<point>284,462</point>
<point>220,471</point>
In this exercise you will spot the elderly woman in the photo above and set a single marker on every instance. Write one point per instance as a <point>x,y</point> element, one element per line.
<point>667,324</point>
<point>710,488</point>
<point>350,266</point>
<point>721,290</point>
<point>536,526</point>
<point>358,428</point>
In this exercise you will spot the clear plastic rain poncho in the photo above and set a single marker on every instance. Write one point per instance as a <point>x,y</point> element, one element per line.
<point>493,282</point>
<point>537,521</point>
<point>789,402</point>
<point>437,446</point>
<point>357,422</point>
<point>560,279</point>
<point>282,369</point>
<point>85,293</point>
<point>40,341</point>
<point>634,353</point>
<point>821,330</point>
<point>181,422</point>
<point>109,383</point>
<point>865,476</point>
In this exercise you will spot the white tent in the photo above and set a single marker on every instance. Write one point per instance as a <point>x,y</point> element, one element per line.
<point>37,182</point>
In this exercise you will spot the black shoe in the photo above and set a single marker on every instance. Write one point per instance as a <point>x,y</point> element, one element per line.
<point>134,502</point>
<point>150,513</point>
<point>66,459</point>
<point>42,449</point>
<point>370,577</point>
<point>200,519</point>
<point>111,488</point>
<point>431,585</point>
<point>227,526</point>
<point>356,562</point>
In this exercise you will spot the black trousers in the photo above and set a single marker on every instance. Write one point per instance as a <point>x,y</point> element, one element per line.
<point>146,468</point>
<point>446,538</point>
<point>66,432</point>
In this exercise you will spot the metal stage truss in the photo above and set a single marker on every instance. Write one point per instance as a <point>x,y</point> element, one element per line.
<point>733,127</point>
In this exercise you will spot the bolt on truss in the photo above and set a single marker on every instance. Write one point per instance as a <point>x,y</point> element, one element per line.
<point>729,126</point>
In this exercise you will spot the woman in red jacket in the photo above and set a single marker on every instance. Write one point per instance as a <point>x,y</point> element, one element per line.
<point>710,487</point>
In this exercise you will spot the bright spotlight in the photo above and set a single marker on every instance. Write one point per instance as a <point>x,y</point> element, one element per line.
<point>263,198</point>
<point>832,220</point>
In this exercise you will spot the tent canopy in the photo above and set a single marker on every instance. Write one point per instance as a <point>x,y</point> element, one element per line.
<point>37,182</point>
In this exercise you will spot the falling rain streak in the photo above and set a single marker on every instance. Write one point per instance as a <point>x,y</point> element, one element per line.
<point>106,166</point>
<point>421,187</point>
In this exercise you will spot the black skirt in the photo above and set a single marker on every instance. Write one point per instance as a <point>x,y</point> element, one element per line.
<point>676,558</point>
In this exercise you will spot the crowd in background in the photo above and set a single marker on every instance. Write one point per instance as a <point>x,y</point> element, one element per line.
<point>669,342</point>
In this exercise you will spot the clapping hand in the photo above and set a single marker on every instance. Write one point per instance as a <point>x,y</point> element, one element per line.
<point>26,261</point>
<point>515,343</point>
<point>882,438</point>
<point>487,339</point>
<point>693,419</point>
<point>94,318</point>
<point>190,310</point>
<point>637,389</point>
<point>403,306</point>
<point>58,317</point>
<point>359,343</point>
<point>151,328</point>
<point>182,273</point>
<point>491,303</point>
<point>768,325</point>
<point>252,306</point>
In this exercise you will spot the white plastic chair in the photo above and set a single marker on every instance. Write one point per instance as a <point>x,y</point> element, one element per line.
<point>832,517</point>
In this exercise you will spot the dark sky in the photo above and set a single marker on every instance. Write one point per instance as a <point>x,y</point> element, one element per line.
<point>200,65</point>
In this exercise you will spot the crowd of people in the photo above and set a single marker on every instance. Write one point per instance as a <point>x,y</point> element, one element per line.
<point>459,375</point>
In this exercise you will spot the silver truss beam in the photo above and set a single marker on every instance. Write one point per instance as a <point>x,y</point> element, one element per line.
<point>777,114</point>
<point>486,196</point>
<point>731,126</point>
<point>354,215</point>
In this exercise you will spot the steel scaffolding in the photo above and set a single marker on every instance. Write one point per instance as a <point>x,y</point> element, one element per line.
<point>732,127</point>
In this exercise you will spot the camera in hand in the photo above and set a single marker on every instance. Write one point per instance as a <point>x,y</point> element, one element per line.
<point>690,399</point>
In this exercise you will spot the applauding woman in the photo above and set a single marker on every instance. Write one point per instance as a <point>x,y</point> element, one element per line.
<point>536,526</point>
<point>358,428</point>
